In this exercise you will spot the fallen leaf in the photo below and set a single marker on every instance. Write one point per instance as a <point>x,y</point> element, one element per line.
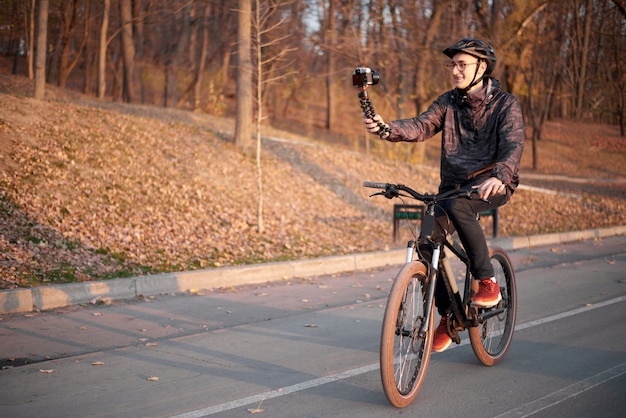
<point>97,363</point>
<point>46,370</point>
<point>121,162</point>
<point>258,409</point>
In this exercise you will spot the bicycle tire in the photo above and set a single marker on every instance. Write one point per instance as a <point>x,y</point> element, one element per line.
<point>492,338</point>
<point>404,357</point>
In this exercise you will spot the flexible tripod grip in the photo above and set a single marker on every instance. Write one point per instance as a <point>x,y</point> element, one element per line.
<point>368,110</point>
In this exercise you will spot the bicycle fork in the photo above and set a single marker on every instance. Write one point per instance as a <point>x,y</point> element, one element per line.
<point>430,295</point>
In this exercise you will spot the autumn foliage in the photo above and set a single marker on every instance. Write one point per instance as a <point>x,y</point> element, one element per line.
<point>95,189</point>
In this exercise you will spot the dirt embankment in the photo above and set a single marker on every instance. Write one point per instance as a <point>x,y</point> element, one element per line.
<point>93,190</point>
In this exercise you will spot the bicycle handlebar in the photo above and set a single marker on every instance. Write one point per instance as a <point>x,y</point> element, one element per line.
<point>393,190</point>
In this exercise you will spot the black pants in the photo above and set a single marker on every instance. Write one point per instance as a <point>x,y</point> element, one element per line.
<point>460,215</point>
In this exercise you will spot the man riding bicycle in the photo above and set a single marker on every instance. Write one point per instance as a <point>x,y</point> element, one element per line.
<point>482,142</point>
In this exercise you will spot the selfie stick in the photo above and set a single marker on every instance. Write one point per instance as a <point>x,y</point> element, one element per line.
<point>368,110</point>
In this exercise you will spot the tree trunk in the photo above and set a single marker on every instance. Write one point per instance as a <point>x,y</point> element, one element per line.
<point>421,73</point>
<point>139,13</point>
<point>102,51</point>
<point>330,77</point>
<point>201,65</point>
<point>64,51</point>
<point>584,54</point>
<point>259,119</point>
<point>129,87</point>
<point>31,41</point>
<point>69,63</point>
<point>243,131</point>
<point>179,55</point>
<point>42,40</point>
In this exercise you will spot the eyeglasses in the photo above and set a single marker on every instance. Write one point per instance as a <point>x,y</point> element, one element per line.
<point>460,65</point>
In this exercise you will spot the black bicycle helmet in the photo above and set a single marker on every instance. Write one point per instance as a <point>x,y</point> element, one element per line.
<point>477,48</point>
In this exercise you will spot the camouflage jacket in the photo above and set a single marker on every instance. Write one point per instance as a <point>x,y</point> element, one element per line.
<point>482,131</point>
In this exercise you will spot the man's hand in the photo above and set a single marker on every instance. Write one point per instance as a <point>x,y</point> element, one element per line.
<point>372,124</point>
<point>490,187</point>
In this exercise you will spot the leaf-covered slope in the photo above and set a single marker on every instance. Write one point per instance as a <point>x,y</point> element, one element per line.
<point>99,189</point>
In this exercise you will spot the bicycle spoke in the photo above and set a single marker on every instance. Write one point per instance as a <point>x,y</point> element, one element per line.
<point>404,355</point>
<point>410,318</point>
<point>492,338</point>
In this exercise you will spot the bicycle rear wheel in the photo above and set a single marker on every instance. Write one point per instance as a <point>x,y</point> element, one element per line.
<point>404,355</point>
<point>492,337</point>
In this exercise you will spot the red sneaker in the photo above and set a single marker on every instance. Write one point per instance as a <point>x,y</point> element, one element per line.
<point>441,339</point>
<point>488,294</point>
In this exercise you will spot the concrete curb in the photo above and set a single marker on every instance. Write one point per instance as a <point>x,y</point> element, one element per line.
<point>56,296</point>
<point>516,243</point>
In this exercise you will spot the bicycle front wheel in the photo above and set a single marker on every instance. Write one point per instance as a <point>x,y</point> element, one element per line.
<point>492,337</point>
<point>404,354</point>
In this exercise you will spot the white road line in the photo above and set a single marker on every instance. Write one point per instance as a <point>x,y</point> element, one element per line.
<point>569,313</point>
<point>255,399</point>
<point>564,394</point>
<point>552,399</point>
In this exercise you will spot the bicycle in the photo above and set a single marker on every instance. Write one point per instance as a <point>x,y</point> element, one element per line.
<point>408,321</point>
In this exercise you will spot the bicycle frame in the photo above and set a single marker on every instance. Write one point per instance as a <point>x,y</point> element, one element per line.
<point>465,315</point>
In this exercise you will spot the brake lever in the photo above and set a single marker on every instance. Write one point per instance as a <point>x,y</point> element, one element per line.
<point>471,192</point>
<point>391,192</point>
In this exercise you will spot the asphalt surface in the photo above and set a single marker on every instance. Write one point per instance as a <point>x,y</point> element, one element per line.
<point>308,347</point>
<point>52,297</point>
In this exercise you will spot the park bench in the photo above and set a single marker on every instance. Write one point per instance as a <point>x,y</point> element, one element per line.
<point>416,212</point>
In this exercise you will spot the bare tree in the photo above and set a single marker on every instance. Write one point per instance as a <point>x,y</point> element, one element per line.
<point>330,60</point>
<point>68,56</point>
<point>128,52</point>
<point>402,39</point>
<point>581,78</point>
<point>42,38</point>
<point>263,25</point>
<point>243,124</point>
<point>31,39</point>
<point>542,77</point>
<point>102,50</point>
<point>176,56</point>
<point>201,65</point>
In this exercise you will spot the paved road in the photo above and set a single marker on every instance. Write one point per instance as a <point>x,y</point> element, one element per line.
<point>308,348</point>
